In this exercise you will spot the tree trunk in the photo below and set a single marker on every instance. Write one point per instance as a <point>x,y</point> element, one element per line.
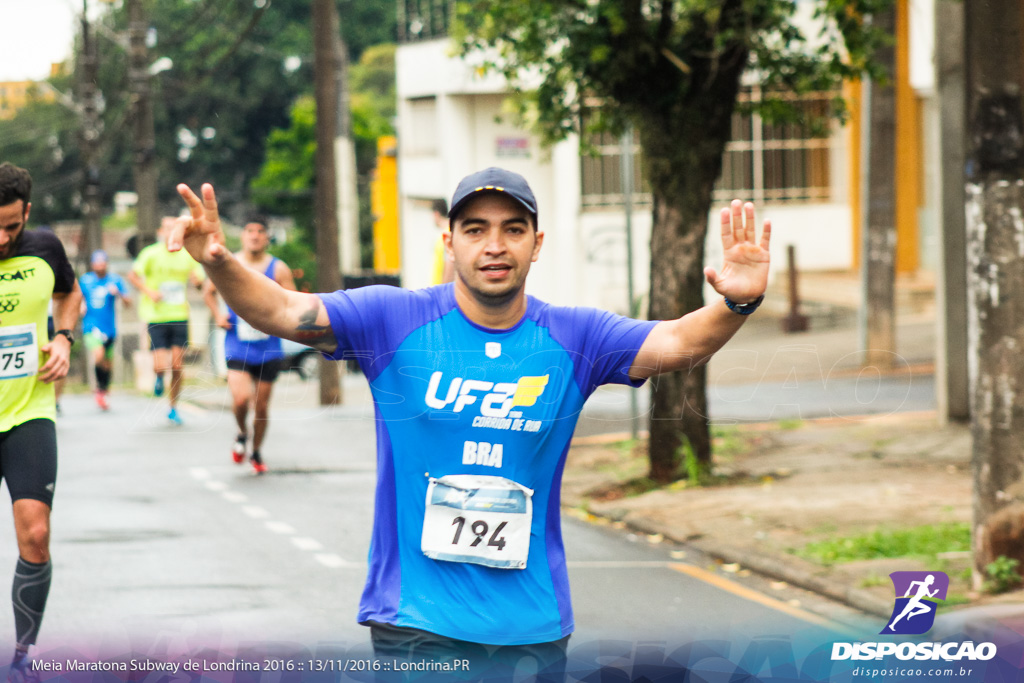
<point>995,278</point>
<point>682,179</point>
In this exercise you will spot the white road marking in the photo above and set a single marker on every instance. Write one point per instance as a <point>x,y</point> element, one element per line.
<point>330,560</point>
<point>255,511</point>
<point>303,543</point>
<point>334,562</point>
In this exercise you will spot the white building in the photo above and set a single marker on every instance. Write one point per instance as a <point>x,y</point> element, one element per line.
<point>451,122</point>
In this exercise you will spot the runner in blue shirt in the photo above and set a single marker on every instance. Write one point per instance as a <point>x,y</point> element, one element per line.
<point>253,358</point>
<point>101,290</point>
<point>477,388</point>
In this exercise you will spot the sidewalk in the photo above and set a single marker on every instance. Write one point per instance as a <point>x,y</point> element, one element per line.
<point>813,481</point>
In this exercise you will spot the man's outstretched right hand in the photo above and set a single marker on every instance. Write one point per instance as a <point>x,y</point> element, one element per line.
<point>200,234</point>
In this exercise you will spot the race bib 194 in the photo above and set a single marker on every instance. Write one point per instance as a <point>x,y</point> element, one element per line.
<point>19,355</point>
<point>478,519</point>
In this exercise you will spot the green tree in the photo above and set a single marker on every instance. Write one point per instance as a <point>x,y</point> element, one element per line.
<point>237,70</point>
<point>285,182</point>
<point>672,69</point>
<point>42,137</point>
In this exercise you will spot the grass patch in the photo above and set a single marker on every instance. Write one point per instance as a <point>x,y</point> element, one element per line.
<point>923,541</point>
<point>953,599</point>
<point>728,442</point>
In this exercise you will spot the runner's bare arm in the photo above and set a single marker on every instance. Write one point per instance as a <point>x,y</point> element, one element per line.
<point>262,302</point>
<point>692,339</point>
<point>283,275</point>
<point>210,299</point>
<point>67,309</point>
<point>140,284</point>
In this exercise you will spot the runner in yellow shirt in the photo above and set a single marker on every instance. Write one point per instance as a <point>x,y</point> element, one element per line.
<point>33,268</point>
<point>163,278</point>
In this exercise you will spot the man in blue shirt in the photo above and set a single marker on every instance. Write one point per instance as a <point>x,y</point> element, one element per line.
<point>101,290</point>
<point>253,358</point>
<point>466,551</point>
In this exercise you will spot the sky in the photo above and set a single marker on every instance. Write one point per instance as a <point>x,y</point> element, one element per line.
<point>36,33</point>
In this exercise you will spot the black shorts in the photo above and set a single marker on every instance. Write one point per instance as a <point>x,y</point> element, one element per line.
<point>28,460</point>
<point>167,335</point>
<point>264,372</point>
<point>485,661</point>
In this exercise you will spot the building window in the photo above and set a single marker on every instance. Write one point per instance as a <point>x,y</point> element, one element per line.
<point>777,163</point>
<point>602,174</point>
<point>424,19</point>
<point>421,138</point>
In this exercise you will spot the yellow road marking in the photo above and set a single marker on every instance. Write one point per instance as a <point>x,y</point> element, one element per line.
<point>754,596</point>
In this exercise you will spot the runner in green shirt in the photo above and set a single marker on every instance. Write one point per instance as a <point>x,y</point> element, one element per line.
<point>163,278</point>
<point>33,268</point>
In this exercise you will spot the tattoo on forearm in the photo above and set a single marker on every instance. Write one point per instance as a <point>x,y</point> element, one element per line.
<point>310,333</point>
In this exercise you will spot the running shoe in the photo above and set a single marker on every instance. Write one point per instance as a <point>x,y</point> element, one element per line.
<point>257,462</point>
<point>158,388</point>
<point>101,400</point>
<point>173,416</point>
<point>21,670</point>
<point>238,450</point>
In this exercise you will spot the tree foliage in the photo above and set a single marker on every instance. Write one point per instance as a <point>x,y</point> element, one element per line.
<point>286,179</point>
<point>238,68</point>
<point>672,69</point>
<point>42,138</point>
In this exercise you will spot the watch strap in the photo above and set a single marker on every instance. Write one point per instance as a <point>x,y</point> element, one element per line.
<point>744,309</point>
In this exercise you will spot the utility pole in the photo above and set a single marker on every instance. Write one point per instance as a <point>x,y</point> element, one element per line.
<point>144,139</point>
<point>880,234</point>
<point>994,188</point>
<point>325,85</point>
<point>92,229</point>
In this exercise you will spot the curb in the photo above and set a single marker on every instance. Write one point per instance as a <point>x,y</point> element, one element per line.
<point>793,571</point>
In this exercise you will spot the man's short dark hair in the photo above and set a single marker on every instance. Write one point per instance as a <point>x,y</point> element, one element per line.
<point>258,218</point>
<point>440,206</point>
<point>15,184</point>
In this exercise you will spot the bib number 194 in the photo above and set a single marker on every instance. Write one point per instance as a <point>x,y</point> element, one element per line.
<point>478,519</point>
<point>479,529</point>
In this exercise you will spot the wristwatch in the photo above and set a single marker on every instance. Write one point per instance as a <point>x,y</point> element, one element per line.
<point>67,333</point>
<point>744,309</point>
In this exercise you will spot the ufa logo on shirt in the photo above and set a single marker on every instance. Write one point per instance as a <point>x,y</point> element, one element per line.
<point>498,400</point>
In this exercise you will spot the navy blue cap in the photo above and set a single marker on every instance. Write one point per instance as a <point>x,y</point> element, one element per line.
<point>493,180</point>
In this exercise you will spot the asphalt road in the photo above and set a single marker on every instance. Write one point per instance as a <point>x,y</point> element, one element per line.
<point>162,545</point>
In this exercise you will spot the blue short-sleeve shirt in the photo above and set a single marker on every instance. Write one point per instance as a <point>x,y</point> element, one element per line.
<point>453,398</point>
